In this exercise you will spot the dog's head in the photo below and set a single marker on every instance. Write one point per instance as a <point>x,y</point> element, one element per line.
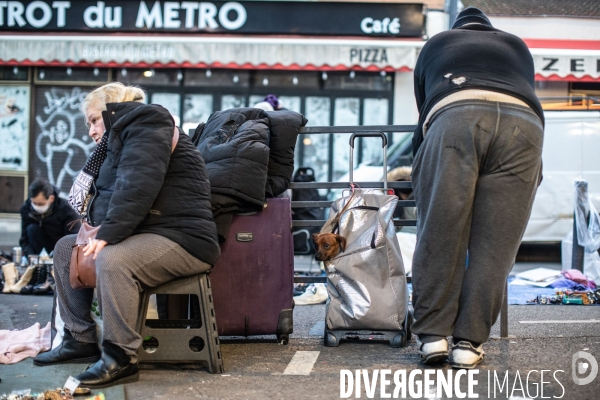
<point>328,245</point>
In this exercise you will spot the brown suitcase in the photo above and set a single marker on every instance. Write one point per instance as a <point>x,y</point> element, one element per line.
<point>252,282</point>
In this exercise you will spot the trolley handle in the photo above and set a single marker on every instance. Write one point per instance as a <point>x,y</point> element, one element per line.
<point>384,147</point>
<point>368,134</point>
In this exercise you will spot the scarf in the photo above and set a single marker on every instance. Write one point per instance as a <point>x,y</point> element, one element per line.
<point>81,191</point>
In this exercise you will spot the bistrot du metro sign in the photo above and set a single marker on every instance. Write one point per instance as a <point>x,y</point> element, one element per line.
<point>244,17</point>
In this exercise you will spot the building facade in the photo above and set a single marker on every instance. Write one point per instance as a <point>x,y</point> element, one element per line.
<point>338,63</point>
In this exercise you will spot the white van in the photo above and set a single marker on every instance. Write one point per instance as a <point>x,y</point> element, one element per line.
<point>571,152</point>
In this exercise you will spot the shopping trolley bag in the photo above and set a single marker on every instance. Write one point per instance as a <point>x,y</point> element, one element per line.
<point>366,282</point>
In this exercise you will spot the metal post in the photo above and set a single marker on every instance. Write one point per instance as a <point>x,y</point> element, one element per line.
<point>452,12</point>
<point>581,193</point>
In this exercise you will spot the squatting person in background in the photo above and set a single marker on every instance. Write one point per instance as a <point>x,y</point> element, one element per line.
<point>45,218</point>
<point>477,167</point>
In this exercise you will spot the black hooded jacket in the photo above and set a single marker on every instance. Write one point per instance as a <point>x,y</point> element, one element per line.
<point>476,56</point>
<point>234,145</point>
<point>60,220</point>
<point>249,153</point>
<point>249,156</point>
<point>143,188</point>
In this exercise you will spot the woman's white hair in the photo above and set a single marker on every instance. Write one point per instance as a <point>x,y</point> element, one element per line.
<point>114,92</point>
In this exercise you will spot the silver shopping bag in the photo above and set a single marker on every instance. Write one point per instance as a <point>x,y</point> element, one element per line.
<point>366,282</point>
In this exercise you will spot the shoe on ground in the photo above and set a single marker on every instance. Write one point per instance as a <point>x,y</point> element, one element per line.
<point>314,294</point>
<point>16,288</point>
<point>433,352</point>
<point>465,355</point>
<point>299,289</point>
<point>69,351</point>
<point>47,286</point>
<point>11,276</point>
<point>114,368</point>
<point>39,277</point>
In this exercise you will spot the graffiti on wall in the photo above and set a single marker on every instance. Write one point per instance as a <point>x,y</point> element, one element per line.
<point>14,127</point>
<point>62,144</point>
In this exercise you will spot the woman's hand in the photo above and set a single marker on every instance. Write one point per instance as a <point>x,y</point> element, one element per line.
<point>94,247</point>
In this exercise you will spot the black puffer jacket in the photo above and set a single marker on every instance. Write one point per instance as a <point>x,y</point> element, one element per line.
<point>143,188</point>
<point>284,125</point>
<point>58,221</point>
<point>234,145</point>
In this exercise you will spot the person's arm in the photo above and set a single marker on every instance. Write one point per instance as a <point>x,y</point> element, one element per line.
<point>141,171</point>
<point>71,223</point>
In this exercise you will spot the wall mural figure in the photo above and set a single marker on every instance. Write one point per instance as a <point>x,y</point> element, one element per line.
<point>62,144</point>
<point>14,127</point>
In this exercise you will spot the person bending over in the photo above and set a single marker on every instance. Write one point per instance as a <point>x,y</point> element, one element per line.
<point>153,208</point>
<point>477,167</point>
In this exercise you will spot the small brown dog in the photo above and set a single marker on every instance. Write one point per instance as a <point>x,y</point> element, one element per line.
<point>328,245</point>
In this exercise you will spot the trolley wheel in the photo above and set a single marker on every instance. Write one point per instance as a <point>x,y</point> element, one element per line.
<point>283,339</point>
<point>399,341</point>
<point>330,340</point>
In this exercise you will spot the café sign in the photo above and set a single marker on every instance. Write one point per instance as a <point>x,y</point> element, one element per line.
<point>245,17</point>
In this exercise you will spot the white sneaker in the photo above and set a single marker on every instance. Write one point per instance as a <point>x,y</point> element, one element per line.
<point>314,294</point>
<point>465,356</point>
<point>433,352</point>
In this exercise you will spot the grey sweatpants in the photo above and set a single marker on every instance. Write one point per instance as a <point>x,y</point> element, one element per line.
<point>123,270</point>
<point>474,179</point>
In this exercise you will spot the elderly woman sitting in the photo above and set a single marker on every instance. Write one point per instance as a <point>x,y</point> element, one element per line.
<point>153,204</point>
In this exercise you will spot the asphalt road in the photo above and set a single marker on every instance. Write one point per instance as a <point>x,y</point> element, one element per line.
<point>255,366</point>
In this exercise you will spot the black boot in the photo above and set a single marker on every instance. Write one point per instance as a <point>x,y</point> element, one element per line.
<point>48,285</point>
<point>114,368</point>
<point>39,277</point>
<point>69,351</point>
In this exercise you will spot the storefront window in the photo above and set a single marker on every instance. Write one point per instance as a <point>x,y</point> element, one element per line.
<point>316,147</point>
<point>292,103</point>
<point>300,80</point>
<point>358,81</point>
<point>171,102</point>
<point>14,127</point>
<point>149,76</point>
<point>14,73</point>
<point>71,74</point>
<point>375,112</point>
<point>232,101</point>
<point>216,77</point>
<point>196,108</point>
<point>255,99</point>
<point>346,113</point>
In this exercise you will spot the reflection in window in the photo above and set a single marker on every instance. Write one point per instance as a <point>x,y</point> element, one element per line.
<point>196,108</point>
<point>290,102</point>
<point>346,113</point>
<point>232,101</point>
<point>170,101</point>
<point>316,147</point>
<point>149,76</point>
<point>375,113</point>
<point>255,99</point>
<point>216,78</point>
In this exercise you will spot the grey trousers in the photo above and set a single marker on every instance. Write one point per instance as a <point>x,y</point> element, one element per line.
<point>123,270</point>
<point>474,178</point>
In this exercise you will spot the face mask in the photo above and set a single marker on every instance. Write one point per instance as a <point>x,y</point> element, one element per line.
<point>41,209</point>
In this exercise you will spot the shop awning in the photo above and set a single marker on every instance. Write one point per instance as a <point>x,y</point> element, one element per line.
<point>566,60</point>
<point>227,52</point>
